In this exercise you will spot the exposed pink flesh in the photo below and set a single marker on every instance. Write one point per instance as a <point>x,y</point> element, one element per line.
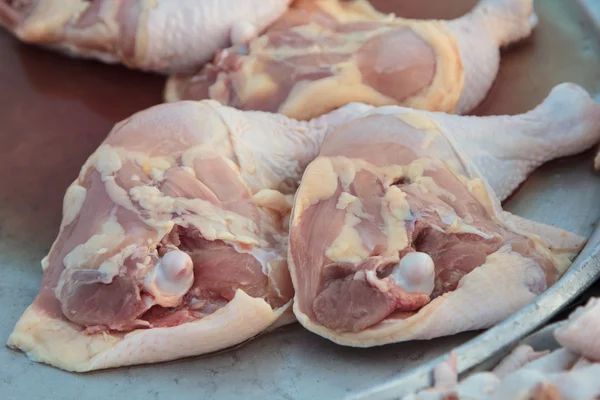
<point>89,300</point>
<point>98,300</point>
<point>342,299</point>
<point>349,304</point>
<point>395,62</point>
<point>96,203</point>
<point>220,270</point>
<point>164,317</point>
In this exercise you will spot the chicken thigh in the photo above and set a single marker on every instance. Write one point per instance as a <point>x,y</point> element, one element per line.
<point>173,241</point>
<point>397,232</point>
<point>165,36</point>
<point>323,54</point>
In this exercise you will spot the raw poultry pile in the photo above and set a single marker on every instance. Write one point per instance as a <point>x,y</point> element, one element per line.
<point>569,372</point>
<point>321,173</point>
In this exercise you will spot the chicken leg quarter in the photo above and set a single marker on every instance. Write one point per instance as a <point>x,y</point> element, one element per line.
<point>173,240</point>
<point>397,231</point>
<point>326,53</point>
<point>165,36</point>
<point>174,237</point>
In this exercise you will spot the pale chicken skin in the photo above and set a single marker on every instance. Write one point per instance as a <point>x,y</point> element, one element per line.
<point>567,373</point>
<point>326,53</point>
<point>174,238</point>
<point>397,231</point>
<point>164,36</point>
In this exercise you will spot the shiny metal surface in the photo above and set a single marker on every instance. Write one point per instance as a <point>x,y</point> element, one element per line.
<point>592,9</point>
<point>55,111</point>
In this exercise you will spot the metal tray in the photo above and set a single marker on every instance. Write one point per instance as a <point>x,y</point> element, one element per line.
<point>54,112</point>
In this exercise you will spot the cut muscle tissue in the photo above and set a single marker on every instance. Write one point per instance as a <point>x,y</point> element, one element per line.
<point>323,54</point>
<point>174,239</point>
<point>397,232</point>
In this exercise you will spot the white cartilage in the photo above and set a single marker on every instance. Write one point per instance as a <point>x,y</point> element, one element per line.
<point>415,273</point>
<point>171,278</point>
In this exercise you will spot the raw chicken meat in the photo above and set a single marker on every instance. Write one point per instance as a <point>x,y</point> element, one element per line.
<point>326,53</point>
<point>580,335</point>
<point>173,241</point>
<point>568,373</point>
<point>397,232</point>
<point>174,236</point>
<point>165,36</point>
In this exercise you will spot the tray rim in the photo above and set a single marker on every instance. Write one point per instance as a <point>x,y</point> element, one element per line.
<point>591,9</point>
